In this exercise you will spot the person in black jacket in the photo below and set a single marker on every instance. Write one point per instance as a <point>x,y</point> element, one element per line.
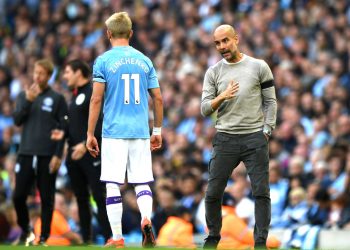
<point>84,170</point>
<point>40,110</point>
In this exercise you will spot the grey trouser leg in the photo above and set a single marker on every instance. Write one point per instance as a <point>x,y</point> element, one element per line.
<point>228,152</point>
<point>224,159</point>
<point>256,160</point>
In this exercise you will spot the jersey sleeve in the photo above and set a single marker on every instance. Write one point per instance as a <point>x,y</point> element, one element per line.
<point>152,77</point>
<point>97,71</point>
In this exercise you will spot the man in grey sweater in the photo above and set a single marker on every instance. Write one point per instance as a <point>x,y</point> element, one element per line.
<point>241,89</point>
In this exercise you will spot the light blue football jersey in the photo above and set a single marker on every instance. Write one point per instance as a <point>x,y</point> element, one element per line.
<point>127,74</point>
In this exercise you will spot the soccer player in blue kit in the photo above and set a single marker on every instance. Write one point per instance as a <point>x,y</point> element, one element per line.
<point>122,79</point>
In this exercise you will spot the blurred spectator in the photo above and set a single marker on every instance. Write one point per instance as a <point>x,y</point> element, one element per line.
<point>61,233</point>
<point>337,175</point>
<point>320,173</point>
<point>4,227</point>
<point>278,192</point>
<point>239,236</point>
<point>244,206</point>
<point>295,213</point>
<point>305,235</point>
<point>14,230</point>
<point>190,191</point>
<point>166,201</point>
<point>319,208</point>
<point>6,119</point>
<point>178,230</point>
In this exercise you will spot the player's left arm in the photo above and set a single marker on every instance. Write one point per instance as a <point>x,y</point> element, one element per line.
<point>158,106</point>
<point>268,97</point>
<point>156,138</point>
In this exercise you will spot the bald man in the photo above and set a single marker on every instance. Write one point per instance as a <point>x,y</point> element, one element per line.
<point>241,89</point>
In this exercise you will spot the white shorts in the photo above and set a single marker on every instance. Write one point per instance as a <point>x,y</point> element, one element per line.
<point>126,158</point>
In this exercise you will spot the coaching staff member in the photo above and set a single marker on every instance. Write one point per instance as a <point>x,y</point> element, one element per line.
<point>241,88</point>
<point>84,170</point>
<point>40,110</point>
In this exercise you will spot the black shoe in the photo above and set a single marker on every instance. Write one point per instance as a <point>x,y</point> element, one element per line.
<point>211,242</point>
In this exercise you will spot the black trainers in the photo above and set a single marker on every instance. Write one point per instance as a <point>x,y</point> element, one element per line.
<point>211,242</point>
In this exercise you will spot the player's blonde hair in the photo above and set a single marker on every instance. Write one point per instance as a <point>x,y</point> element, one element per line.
<point>46,64</point>
<point>120,25</point>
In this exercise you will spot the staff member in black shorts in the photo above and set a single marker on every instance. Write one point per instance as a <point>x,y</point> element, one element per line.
<point>40,110</point>
<point>84,170</point>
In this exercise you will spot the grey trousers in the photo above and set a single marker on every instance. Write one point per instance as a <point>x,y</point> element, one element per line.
<point>229,150</point>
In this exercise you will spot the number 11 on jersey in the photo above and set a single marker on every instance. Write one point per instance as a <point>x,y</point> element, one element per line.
<point>136,79</point>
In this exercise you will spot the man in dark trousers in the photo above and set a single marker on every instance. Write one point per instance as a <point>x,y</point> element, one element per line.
<point>40,110</point>
<point>241,89</point>
<point>84,170</point>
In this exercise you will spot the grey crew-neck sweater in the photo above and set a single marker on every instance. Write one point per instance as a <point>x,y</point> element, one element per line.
<point>253,107</point>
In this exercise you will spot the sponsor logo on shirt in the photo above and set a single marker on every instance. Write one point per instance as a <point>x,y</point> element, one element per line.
<point>47,104</point>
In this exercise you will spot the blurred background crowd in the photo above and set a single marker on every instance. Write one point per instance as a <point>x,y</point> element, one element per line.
<point>306,44</point>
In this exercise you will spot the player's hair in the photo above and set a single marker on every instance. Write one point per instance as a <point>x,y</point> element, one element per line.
<point>46,64</point>
<point>120,25</point>
<point>77,64</point>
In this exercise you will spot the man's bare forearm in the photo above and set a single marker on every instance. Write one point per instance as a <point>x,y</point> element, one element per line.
<point>158,112</point>
<point>94,113</point>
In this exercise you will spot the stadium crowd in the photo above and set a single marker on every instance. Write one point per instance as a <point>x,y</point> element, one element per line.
<point>306,44</point>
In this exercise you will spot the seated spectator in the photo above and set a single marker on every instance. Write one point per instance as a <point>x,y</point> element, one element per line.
<point>320,173</point>
<point>189,188</point>
<point>244,206</point>
<point>339,216</point>
<point>235,233</point>
<point>178,230</point>
<point>319,210</point>
<point>15,231</point>
<point>60,234</point>
<point>278,192</point>
<point>4,228</point>
<point>337,175</point>
<point>166,202</point>
<point>295,213</point>
<point>305,236</point>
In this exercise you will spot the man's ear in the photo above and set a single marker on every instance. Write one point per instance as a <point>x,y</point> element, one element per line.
<point>131,33</point>
<point>109,34</point>
<point>79,72</point>
<point>237,39</point>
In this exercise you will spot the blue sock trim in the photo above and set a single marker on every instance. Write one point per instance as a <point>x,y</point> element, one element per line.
<point>144,192</point>
<point>113,200</point>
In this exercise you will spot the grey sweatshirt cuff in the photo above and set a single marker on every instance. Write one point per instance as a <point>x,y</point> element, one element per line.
<point>206,109</point>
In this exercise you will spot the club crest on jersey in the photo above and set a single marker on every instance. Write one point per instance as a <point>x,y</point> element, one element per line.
<point>80,99</point>
<point>47,104</point>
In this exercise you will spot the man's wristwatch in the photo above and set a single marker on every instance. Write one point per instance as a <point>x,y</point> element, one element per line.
<point>267,132</point>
